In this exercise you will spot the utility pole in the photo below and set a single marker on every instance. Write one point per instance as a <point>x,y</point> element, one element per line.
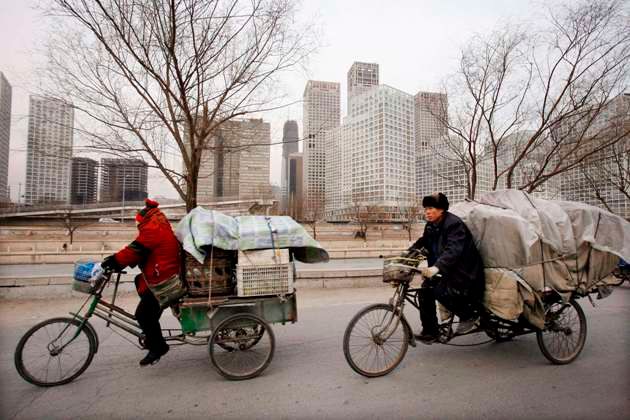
<point>122,210</point>
<point>19,195</point>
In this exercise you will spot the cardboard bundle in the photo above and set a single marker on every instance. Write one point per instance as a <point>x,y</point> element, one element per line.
<point>529,245</point>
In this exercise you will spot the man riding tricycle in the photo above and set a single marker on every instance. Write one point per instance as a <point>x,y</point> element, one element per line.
<point>535,259</point>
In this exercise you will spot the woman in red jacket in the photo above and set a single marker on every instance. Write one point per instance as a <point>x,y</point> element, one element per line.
<point>156,251</point>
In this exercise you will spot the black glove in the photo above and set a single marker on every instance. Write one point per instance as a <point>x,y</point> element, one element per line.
<point>110,264</point>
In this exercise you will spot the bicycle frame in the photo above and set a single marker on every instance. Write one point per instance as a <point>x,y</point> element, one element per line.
<point>109,312</point>
<point>489,322</point>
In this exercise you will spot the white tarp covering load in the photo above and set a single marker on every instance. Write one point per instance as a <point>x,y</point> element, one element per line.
<point>529,245</point>
<point>202,228</point>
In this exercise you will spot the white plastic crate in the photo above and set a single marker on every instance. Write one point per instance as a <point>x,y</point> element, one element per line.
<point>264,272</point>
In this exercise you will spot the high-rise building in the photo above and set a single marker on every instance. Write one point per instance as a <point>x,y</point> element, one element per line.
<point>295,184</point>
<point>602,177</point>
<point>361,77</point>
<point>321,112</point>
<point>235,166</point>
<point>508,150</point>
<point>370,158</point>
<point>123,180</point>
<point>49,151</point>
<point>290,138</point>
<point>5,134</point>
<point>84,180</point>
<point>446,173</point>
<point>430,116</point>
<point>339,173</point>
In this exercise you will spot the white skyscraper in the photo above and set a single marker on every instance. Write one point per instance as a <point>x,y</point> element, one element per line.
<point>5,134</point>
<point>371,157</point>
<point>602,176</point>
<point>361,77</point>
<point>321,112</point>
<point>508,151</point>
<point>430,114</point>
<point>49,151</point>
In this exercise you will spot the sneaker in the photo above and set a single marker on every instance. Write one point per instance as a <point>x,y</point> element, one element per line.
<point>426,338</point>
<point>153,357</point>
<point>466,326</point>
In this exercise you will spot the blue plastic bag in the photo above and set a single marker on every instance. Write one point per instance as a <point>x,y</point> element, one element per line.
<point>83,270</point>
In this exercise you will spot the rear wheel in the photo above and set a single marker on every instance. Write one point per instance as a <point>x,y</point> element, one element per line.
<point>564,335</point>
<point>242,346</point>
<point>55,352</point>
<point>375,341</point>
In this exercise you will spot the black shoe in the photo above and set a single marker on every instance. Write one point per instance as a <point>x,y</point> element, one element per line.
<point>153,357</point>
<point>426,338</point>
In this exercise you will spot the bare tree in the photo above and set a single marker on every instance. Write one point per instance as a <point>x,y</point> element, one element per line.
<point>363,213</point>
<point>313,213</point>
<point>72,223</point>
<point>410,214</point>
<point>555,82</point>
<point>159,78</point>
<point>361,217</point>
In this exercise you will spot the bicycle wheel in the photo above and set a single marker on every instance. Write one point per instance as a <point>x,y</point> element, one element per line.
<point>54,352</point>
<point>376,341</point>
<point>242,346</point>
<point>563,337</point>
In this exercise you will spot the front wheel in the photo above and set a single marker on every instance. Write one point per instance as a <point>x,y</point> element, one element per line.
<point>242,346</point>
<point>376,341</point>
<point>563,337</point>
<point>55,352</point>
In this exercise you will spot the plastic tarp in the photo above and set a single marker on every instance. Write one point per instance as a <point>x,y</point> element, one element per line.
<point>203,228</point>
<point>529,245</point>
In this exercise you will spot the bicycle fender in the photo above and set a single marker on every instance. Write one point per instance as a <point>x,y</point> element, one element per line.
<point>90,328</point>
<point>93,331</point>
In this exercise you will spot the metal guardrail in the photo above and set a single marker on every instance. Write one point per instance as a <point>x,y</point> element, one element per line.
<point>113,208</point>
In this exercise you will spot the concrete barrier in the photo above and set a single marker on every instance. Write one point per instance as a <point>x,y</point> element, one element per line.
<point>46,287</point>
<point>58,256</point>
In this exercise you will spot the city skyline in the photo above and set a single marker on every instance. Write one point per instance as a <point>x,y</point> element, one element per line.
<point>362,76</point>
<point>23,30</point>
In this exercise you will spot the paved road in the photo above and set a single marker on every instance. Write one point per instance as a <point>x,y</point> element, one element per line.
<point>67,269</point>
<point>309,378</point>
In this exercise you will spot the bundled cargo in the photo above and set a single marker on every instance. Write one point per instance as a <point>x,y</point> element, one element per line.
<point>252,253</point>
<point>530,245</point>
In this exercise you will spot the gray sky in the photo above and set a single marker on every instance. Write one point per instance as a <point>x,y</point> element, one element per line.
<point>415,42</point>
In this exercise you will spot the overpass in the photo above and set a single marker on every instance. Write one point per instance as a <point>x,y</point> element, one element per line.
<point>128,211</point>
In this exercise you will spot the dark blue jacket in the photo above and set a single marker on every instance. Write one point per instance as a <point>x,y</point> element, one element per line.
<point>451,248</point>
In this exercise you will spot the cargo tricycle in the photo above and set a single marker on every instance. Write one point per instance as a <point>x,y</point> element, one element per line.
<point>234,323</point>
<point>377,337</point>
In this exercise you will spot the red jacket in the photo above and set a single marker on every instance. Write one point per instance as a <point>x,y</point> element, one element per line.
<point>155,250</point>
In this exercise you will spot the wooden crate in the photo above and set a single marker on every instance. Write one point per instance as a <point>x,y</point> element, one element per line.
<point>215,276</point>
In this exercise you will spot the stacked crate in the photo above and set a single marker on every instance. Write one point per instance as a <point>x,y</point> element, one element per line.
<point>216,276</point>
<point>264,272</point>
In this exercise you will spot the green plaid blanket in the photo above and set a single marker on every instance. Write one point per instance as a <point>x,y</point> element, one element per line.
<point>201,228</point>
